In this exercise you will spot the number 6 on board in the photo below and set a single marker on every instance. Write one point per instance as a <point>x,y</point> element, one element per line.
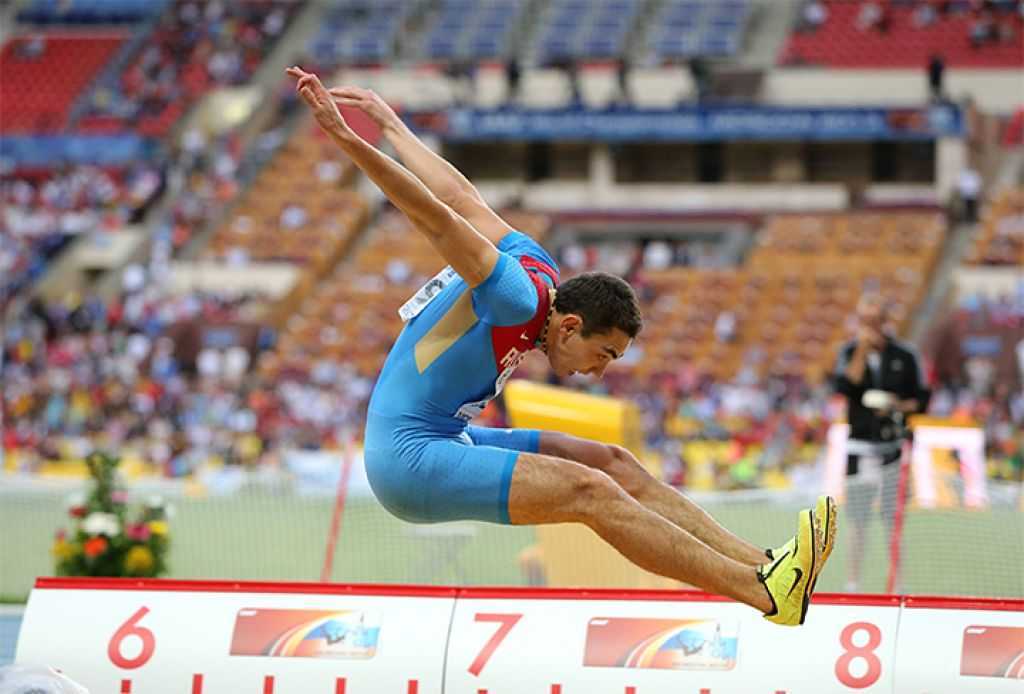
<point>131,628</point>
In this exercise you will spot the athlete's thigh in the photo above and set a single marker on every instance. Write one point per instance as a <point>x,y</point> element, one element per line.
<point>546,489</point>
<point>524,440</point>
<point>465,482</point>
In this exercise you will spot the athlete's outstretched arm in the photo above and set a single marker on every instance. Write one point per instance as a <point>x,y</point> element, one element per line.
<point>444,180</point>
<point>471,255</point>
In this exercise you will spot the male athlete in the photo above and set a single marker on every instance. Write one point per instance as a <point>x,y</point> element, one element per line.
<point>466,332</point>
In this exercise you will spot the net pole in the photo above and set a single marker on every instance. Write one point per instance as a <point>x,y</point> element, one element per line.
<point>897,521</point>
<point>339,509</point>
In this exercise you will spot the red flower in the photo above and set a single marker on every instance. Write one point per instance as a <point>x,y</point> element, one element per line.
<point>77,511</point>
<point>61,535</point>
<point>138,532</point>
<point>95,546</point>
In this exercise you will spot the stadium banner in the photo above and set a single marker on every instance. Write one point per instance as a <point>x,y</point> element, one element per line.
<point>44,151</point>
<point>694,124</point>
<point>156,637</point>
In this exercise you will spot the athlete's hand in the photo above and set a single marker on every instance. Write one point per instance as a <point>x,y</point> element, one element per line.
<point>313,92</point>
<point>369,102</point>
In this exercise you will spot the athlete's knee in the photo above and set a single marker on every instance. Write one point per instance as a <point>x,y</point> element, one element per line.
<point>591,492</point>
<point>625,469</point>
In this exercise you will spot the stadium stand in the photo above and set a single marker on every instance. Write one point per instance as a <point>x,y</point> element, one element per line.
<point>689,28</point>
<point>44,72</point>
<point>360,32</point>
<point>572,30</point>
<point>473,30</point>
<point>297,210</point>
<point>890,35</point>
<point>193,48</point>
<point>1001,235</point>
<point>42,210</point>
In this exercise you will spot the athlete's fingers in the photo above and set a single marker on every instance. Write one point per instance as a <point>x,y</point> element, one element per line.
<point>348,92</point>
<point>309,96</point>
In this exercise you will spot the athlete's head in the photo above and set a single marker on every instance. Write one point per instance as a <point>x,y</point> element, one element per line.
<point>596,317</point>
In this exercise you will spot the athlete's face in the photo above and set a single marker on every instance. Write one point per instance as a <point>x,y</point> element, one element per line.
<point>571,353</point>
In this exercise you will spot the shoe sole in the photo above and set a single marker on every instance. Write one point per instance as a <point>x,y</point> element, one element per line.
<point>815,567</point>
<point>831,513</point>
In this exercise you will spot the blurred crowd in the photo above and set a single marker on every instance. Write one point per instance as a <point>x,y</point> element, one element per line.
<point>42,210</point>
<point>82,375</point>
<point>992,21</point>
<point>195,47</point>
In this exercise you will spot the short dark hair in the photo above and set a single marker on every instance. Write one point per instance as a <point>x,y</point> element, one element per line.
<point>603,301</point>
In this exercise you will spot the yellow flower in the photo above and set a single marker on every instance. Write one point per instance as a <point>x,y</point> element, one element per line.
<point>63,550</point>
<point>139,560</point>
<point>158,527</point>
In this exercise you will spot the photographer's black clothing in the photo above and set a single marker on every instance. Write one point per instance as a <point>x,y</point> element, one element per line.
<point>895,369</point>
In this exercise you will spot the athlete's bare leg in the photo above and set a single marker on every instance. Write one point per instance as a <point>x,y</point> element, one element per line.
<point>554,490</point>
<point>623,467</point>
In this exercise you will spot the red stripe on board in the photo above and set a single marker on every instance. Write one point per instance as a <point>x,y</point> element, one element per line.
<point>339,686</point>
<point>630,690</point>
<point>268,684</point>
<point>126,687</point>
<point>935,602</point>
<point>414,687</point>
<point>174,585</point>
<point>197,684</point>
<point>556,689</point>
<point>178,586</point>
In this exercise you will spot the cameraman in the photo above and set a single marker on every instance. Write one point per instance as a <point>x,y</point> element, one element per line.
<point>882,381</point>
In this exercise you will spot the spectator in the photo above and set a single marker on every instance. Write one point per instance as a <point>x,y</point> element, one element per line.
<point>873,16</point>
<point>968,186</point>
<point>814,15</point>
<point>924,15</point>
<point>936,73</point>
<point>882,382</point>
<point>983,30</point>
<point>725,327</point>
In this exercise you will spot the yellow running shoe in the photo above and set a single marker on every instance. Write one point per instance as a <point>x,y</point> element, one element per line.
<point>826,513</point>
<point>789,576</point>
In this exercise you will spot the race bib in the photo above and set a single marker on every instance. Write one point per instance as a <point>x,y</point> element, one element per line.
<point>414,306</point>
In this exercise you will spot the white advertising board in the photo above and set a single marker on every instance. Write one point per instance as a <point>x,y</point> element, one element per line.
<point>629,646</point>
<point>159,637</point>
<point>953,651</point>
<point>209,641</point>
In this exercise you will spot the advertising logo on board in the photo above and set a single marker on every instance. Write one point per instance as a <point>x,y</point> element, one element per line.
<point>993,652</point>
<point>661,644</point>
<point>305,633</point>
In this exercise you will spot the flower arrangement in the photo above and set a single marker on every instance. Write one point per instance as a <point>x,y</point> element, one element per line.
<point>105,539</point>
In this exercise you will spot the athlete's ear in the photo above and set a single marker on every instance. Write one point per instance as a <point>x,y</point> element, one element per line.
<point>571,324</point>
